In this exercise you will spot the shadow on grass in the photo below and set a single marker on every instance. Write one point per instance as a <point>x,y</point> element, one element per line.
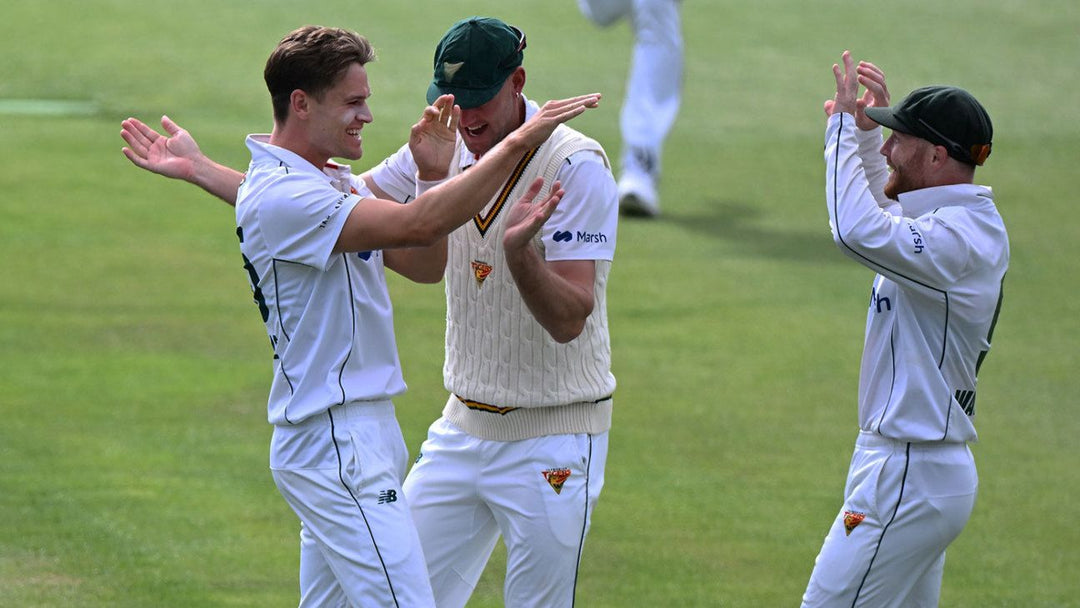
<point>742,224</point>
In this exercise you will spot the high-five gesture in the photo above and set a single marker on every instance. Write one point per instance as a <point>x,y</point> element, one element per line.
<point>178,156</point>
<point>552,114</point>
<point>432,139</point>
<point>528,215</point>
<point>876,94</point>
<point>847,87</point>
<point>848,80</point>
<point>172,156</point>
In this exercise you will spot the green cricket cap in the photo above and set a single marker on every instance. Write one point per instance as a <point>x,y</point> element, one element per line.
<point>945,116</point>
<point>474,59</point>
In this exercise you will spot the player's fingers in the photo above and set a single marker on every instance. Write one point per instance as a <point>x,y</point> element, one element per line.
<point>135,138</point>
<point>130,138</point>
<point>455,118</point>
<point>445,104</point>
<point>867,68</point>
<point>879,95</point>
<point>556,106</point>
<point>148,134</point>
<point>563,112</point>
<point>170,127</point>
<point>534,189</point>
<point>553,199</point>
<point>838,76</point>
<point>430,114</point>
<point>554,195</point>
<point>135,159</point>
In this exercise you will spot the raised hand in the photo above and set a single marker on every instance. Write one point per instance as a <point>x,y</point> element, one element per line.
<point>847,87</point>
<point>432,139</point>
<point>526,216</point>
<point>173,156</point>
<point>876,94</point>
<point>536,130</point>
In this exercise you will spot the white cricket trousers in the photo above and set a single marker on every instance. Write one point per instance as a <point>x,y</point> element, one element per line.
<point>538,493</point>
<point>904,503</point>
<point>341,472</point>
<point>654,86</point>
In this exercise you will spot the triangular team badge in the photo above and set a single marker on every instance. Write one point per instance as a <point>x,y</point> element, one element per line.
<point>451,69</point>
<point>480,271</point>
<point>556,478</point>
<point>851,520</point>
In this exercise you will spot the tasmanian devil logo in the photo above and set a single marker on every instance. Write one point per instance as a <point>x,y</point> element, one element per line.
<point>556,478</point>
<point>480,271</point>
<point>851,520</point>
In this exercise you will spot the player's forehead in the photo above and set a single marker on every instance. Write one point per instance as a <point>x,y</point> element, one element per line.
<point>352,84</point>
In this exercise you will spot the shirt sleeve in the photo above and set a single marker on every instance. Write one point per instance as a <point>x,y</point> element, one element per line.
<point>926,251</point>
<point>874,165</point>
<point>397,175</point>
<point>584,225</point>
<point>303,226</point>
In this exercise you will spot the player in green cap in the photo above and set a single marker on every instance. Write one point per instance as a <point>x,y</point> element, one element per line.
<point>939,249</point>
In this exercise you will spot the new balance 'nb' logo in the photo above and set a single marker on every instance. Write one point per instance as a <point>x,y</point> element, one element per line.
<point>387,496</point>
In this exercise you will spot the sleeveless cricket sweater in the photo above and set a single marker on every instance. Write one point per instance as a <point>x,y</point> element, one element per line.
<point>508,378</point>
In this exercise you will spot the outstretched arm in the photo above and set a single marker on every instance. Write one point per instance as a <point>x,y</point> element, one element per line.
<point>381,224</point>
<point>177,156</point>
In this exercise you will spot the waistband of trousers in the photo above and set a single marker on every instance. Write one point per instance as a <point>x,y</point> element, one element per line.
<point>870,439</point>
<point>347,412</point>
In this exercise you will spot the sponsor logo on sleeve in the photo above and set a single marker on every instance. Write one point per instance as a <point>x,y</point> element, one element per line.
<point>565,236</point>
<point>916,238</point>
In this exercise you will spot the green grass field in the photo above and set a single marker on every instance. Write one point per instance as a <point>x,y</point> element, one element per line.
<point>134,368</point>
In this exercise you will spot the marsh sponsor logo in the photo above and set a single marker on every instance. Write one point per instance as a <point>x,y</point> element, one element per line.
<point>591,237</point>
<point>916,238</point>
<point>880,302</point>
<point>565,236</point>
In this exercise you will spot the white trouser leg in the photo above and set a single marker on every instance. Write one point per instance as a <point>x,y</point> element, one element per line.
<point>654,88</point>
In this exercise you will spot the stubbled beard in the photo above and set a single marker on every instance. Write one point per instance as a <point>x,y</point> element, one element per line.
<point>898,184</point>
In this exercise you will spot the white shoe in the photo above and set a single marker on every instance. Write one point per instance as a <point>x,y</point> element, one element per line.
<point>637,195</point>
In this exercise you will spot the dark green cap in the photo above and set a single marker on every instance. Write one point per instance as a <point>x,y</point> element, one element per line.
<point>474,59</point>
<point>944,116</point>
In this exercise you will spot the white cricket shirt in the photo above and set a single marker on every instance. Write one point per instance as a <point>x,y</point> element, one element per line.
<point>941,255</point>
<point>328,315</point>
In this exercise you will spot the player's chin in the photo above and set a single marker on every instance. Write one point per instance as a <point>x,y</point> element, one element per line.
<point>353,152</point>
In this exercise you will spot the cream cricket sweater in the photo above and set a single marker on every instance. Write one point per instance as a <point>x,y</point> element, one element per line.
<point>508,378</point>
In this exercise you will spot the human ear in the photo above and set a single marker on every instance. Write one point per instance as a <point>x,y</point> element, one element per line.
<point>298,102</point>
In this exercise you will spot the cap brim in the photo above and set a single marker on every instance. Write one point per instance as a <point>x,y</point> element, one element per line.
<point>887,118</point>
<point>465,98</point>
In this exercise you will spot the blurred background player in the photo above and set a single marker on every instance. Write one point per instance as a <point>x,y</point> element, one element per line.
<point>653,93</point>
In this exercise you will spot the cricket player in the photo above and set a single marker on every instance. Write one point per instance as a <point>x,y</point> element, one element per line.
<point>315,243</point>
<point>940,251</point>
<point>521,446</point>
<point>653,93</point>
